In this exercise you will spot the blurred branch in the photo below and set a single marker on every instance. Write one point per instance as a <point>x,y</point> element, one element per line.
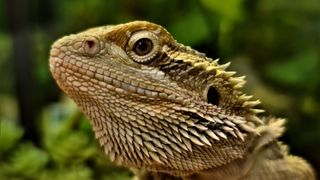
<point>23,67</point>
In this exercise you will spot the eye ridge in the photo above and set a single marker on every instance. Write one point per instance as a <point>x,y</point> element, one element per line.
<point>143,46</point>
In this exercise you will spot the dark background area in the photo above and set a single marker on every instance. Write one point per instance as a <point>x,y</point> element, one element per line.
<point>44,136</point>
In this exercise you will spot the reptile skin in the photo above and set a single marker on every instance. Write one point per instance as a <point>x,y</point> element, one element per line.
<point>167,110</point>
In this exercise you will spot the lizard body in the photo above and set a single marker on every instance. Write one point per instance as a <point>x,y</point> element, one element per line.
<point>158,105</point>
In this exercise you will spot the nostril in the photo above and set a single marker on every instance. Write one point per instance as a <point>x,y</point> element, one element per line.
<point>91,46</point>
<point>90,43</point>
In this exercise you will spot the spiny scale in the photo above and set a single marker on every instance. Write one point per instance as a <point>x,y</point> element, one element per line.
<point>156,114</point>
<point>213,72</point>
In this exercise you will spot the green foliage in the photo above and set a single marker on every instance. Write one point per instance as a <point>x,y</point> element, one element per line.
<point>275,43</point>
<point>68,149</point>
<point>74,148</point>
<point>25,161</point>
<point>10,134</point>
<point>76,172</point>
<point>190,37</point>
<point>294,71</point>
<point>229,9</point>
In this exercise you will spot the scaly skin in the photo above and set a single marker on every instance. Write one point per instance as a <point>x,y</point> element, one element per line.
<point>162,107</point>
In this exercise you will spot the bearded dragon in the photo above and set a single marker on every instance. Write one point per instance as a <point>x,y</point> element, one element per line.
<point>164,108</point>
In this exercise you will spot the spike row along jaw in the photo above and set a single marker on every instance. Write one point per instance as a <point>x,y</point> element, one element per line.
<point>199,73</point>
<point>213,125</point>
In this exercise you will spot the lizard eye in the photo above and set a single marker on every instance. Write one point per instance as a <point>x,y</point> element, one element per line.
<point>143,46</point>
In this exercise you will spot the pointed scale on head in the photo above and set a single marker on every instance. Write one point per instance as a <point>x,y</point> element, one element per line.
<point>152,102</point>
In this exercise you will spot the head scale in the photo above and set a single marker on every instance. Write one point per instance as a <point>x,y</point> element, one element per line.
<point>153,102</point>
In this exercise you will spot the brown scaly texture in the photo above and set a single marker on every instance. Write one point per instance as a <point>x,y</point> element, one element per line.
<point>168,110</point>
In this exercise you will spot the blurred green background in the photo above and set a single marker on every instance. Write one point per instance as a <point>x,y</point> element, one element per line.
<point>44,136</point>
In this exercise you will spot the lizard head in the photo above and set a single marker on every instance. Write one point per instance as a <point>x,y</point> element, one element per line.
<point>153,102</point>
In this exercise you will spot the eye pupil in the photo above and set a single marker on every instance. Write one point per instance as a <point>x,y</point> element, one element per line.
<point>143,46</point>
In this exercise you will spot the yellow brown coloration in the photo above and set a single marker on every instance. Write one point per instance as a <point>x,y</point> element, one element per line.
<point>161,106</point>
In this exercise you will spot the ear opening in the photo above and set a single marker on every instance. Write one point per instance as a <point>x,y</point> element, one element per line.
<point>213,96</point>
